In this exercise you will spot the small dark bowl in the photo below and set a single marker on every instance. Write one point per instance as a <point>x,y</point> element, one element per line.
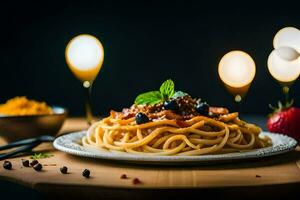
<point>20,127</point>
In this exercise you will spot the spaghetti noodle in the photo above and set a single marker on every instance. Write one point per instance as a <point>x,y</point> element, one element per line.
<point>196,136</point>
<point>174,125</point>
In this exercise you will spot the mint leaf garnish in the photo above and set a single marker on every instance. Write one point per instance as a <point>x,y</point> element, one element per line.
<point>166,92</point>
<point>151,98</point>
<point>167,89</point>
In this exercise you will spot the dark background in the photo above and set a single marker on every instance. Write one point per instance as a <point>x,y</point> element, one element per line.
<point>145,43</point>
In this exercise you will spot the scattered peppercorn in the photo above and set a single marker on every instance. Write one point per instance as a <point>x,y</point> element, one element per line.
<point>123,176</point>
<point>257,176</point>
<point>38,167</point>
<point>25,163</point>
<point>7,165</point>
<point>136,181</point>
<point>34,162</point>
<point>86,173</point>
<point>64,170</point>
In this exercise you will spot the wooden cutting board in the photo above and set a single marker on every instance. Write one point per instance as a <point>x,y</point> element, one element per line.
<point>283,169</point>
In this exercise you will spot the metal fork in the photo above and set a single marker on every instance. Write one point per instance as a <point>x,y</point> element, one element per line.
<point>25,145</point>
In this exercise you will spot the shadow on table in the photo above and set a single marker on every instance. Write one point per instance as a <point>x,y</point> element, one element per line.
<point>231,164</point>
<point>286,191</point>
<point>14,191</point>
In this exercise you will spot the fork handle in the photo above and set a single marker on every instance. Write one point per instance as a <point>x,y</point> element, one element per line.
<point>22,149</point>
<point>43,138</point>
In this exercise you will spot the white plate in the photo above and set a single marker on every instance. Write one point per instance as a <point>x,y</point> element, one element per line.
<point>71,143</point>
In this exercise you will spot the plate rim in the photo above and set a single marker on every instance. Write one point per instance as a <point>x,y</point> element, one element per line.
<point>81,151</point>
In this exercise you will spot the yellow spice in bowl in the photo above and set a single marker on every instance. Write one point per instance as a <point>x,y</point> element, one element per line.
<point>24,106</point>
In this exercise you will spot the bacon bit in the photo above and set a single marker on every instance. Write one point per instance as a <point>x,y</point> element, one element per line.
<point>182,124</point>
<point>228,117</point>
<point>168,114</point>
<point>136,181</point>
<point>127,113</point>
<point>123,176</point>
<point>171,115</point>
<point>114,114</point>
<point>218,110</point>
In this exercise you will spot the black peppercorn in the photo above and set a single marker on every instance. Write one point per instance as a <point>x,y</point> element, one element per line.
<point>86,173</point>
<point>25,163</point>
<point>34,162</point>
<point>7,165</point>
<point>38,167</point>
<point>64,170</point>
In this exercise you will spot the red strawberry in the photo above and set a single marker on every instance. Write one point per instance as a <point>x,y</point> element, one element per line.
<point>285,120</point>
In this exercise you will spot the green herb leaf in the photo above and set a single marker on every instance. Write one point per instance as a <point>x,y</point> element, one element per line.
<point>179,94</point>
<point>167,89</point>
<point>40,155</point>
<point>151,98</point>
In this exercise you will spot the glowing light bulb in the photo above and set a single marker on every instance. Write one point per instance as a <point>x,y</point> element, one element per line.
<point>287,37</point>
<point>284,60</point>
<point>283,70</point>
<point>287,53</point>
<point>84,56</point>
<point>236,69</point>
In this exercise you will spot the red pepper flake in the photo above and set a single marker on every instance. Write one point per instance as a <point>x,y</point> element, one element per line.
<point>136,181</point>
<point>123,176</point>
<point>257,176</point>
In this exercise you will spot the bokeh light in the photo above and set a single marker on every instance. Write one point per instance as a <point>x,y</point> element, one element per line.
<point>236,69</point>
<point>84,56</point>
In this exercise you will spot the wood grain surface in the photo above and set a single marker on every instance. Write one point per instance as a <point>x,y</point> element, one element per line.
<point>277,170</point>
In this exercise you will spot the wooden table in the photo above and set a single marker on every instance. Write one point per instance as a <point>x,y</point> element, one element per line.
<point>278,175</point>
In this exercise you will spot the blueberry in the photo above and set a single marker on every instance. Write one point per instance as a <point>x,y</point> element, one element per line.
<point>202,108</point>
<point>141,118</point>
<point>171,105</point>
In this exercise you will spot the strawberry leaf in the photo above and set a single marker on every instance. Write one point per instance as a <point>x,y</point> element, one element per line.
<point>281,106</point>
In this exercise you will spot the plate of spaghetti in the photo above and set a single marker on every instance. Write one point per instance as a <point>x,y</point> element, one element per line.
<point>168,126</point>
